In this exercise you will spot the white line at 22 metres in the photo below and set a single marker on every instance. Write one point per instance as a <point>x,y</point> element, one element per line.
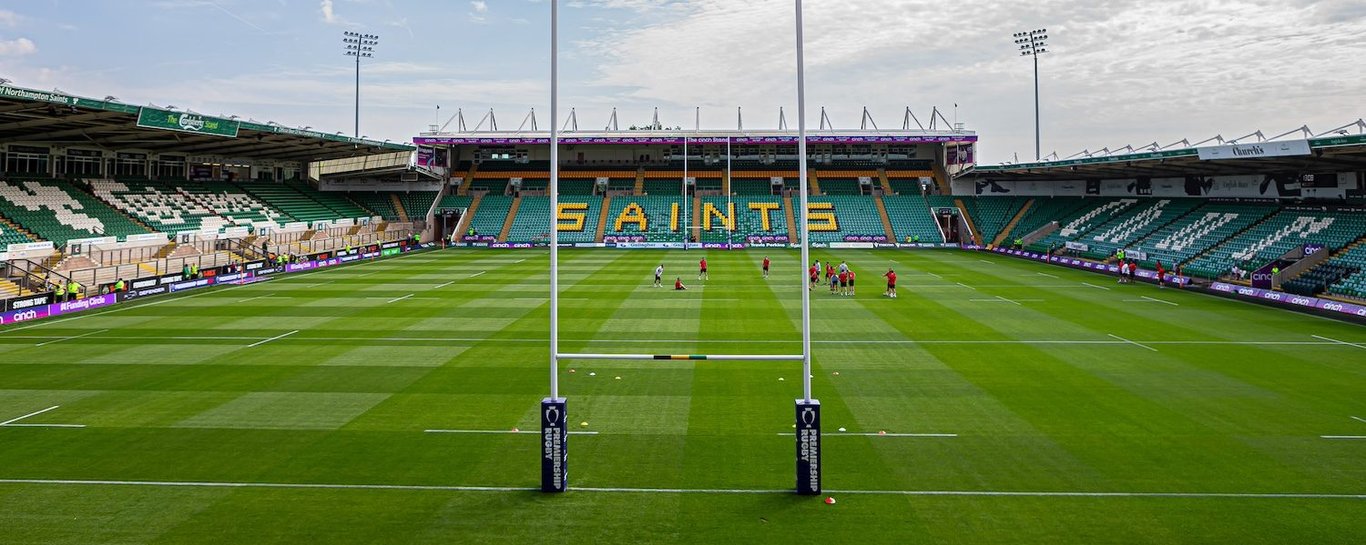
<point>1140,345</point>
<point>12,423</point>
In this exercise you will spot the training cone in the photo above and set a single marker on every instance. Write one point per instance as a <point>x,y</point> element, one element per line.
<point>571,370</point>
<point>830,500</point>
<point>583,424</point>
<point>882,432</point>
<point>837,373</point>
<point>780,379</point>
<point>515,430</point>
<point>618,378</point>
<point>841,429</point>
<point>592,374</point>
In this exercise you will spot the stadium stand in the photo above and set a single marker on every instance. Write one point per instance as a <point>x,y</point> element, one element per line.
<point>532,223</point>
<point>379,201</point>
<point>751,186</point>
<point>158,205</point>
<point>455,201</point>
<point>656,210</point>
<point>855,215</point>
<point>1178,241</point>
<point>492,212</point>
<point>1278,234</point>
<point>582,186</point>
<point>1133,224</point>
<point>417,203</point>
<point>337,202</point>
<point>991,214</point>
<point>840,186</point>
<point>663,186</point>
<point>1352,261</point>
<point>910,216</point>
<point>1046,210</point>
<point>494,186</point>
<point>231,203</point>
<point>748,222</point>
<point>58,212</point>
<point>1082,221</point>
<point>297,201</point>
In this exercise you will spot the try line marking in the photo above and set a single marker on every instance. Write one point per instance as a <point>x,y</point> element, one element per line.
<point>1132,342</point>
<point>11,422</point>
<point>277,337</point>
<point>1363,347</point>
<point>72,337</point>
<point>571,432</point>
<point>626,490</point>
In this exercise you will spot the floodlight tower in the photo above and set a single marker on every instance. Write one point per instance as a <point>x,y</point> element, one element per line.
<point>359,45</point>
<point>1032,44</point>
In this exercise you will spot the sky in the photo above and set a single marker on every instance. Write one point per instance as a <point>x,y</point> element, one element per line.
<point>1119,72</point>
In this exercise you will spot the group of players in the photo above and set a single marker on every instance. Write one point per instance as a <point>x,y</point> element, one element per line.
<point>841,278</point>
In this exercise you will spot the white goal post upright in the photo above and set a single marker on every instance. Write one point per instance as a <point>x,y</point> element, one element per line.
<point>554,418</point>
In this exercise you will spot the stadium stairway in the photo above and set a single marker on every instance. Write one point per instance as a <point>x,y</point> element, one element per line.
<point>10,289</point>
<point>886,184</point>
<point>972,225</point>
<point>464,225</point>
<point>469,179</point>
<point>1005,231</point>
<point>398,207</point>
<point>640,181</point>
<point>814,181</point>
<point>602,218</point>
<point>791,219</point>
<point>11,232</point>
<point>886,220</point>
<point>507,224</point>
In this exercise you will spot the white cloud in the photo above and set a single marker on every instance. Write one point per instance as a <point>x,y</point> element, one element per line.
<point>479,10</point>
<point>17,47</point>
<point>330,14</point>
<point>479,6</point>
<point>9,18</point>
<point>1122,72</point>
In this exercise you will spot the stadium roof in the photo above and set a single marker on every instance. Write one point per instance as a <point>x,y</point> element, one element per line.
<point>647,137</point>
<point>1337,153</point>
<point>28,115</point>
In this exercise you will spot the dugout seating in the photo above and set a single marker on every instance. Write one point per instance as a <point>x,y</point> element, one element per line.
<point>911,217</point>
<point>159,205</point>
<point>57,211</point>
<point>748,222</point>
<point>1277,235</point>
<point>657,210</point>
<point>1319,278</point>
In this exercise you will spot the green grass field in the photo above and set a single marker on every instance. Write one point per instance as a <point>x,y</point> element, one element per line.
<point>295,410</point>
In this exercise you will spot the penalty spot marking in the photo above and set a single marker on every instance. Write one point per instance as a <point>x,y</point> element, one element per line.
<point>624,490</point>
<point>513,432</point>
<point>401,298</point>
<point>1132,342</point>
<point>1335,341</point>
<point>1095,286</point>
<point>72,337</point>
<point>277,337</point>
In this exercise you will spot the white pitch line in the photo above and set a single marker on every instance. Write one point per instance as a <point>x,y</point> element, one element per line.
<point>444,285</point>
<point>43,425</point>
<point>571,432</point>
<point>1132,342</point>
<point>1048,275</point>
<point>1335,341</point>
<point>72,337</point>
<point>1343,436</point>
<point>630,490</point>
<point>863,434</point>
<point>967,286</point>
<point>1008,300</point>
<point>1095,286</point>
<point>34,413</point>
<point>935,275</point>
<point>277,337</point>
<point>1359,419</point>
<point>518,261</point>
<point>987,262</point>
<point>255,298</point>
<point>401,298</point>
<point>1156,300</point>
<point>477,274</point>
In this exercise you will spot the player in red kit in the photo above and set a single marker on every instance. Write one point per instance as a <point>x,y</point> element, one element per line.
<point>814,273</point>
<point>765,266</point>
<point>891,283</point>
<point>702,270</point>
